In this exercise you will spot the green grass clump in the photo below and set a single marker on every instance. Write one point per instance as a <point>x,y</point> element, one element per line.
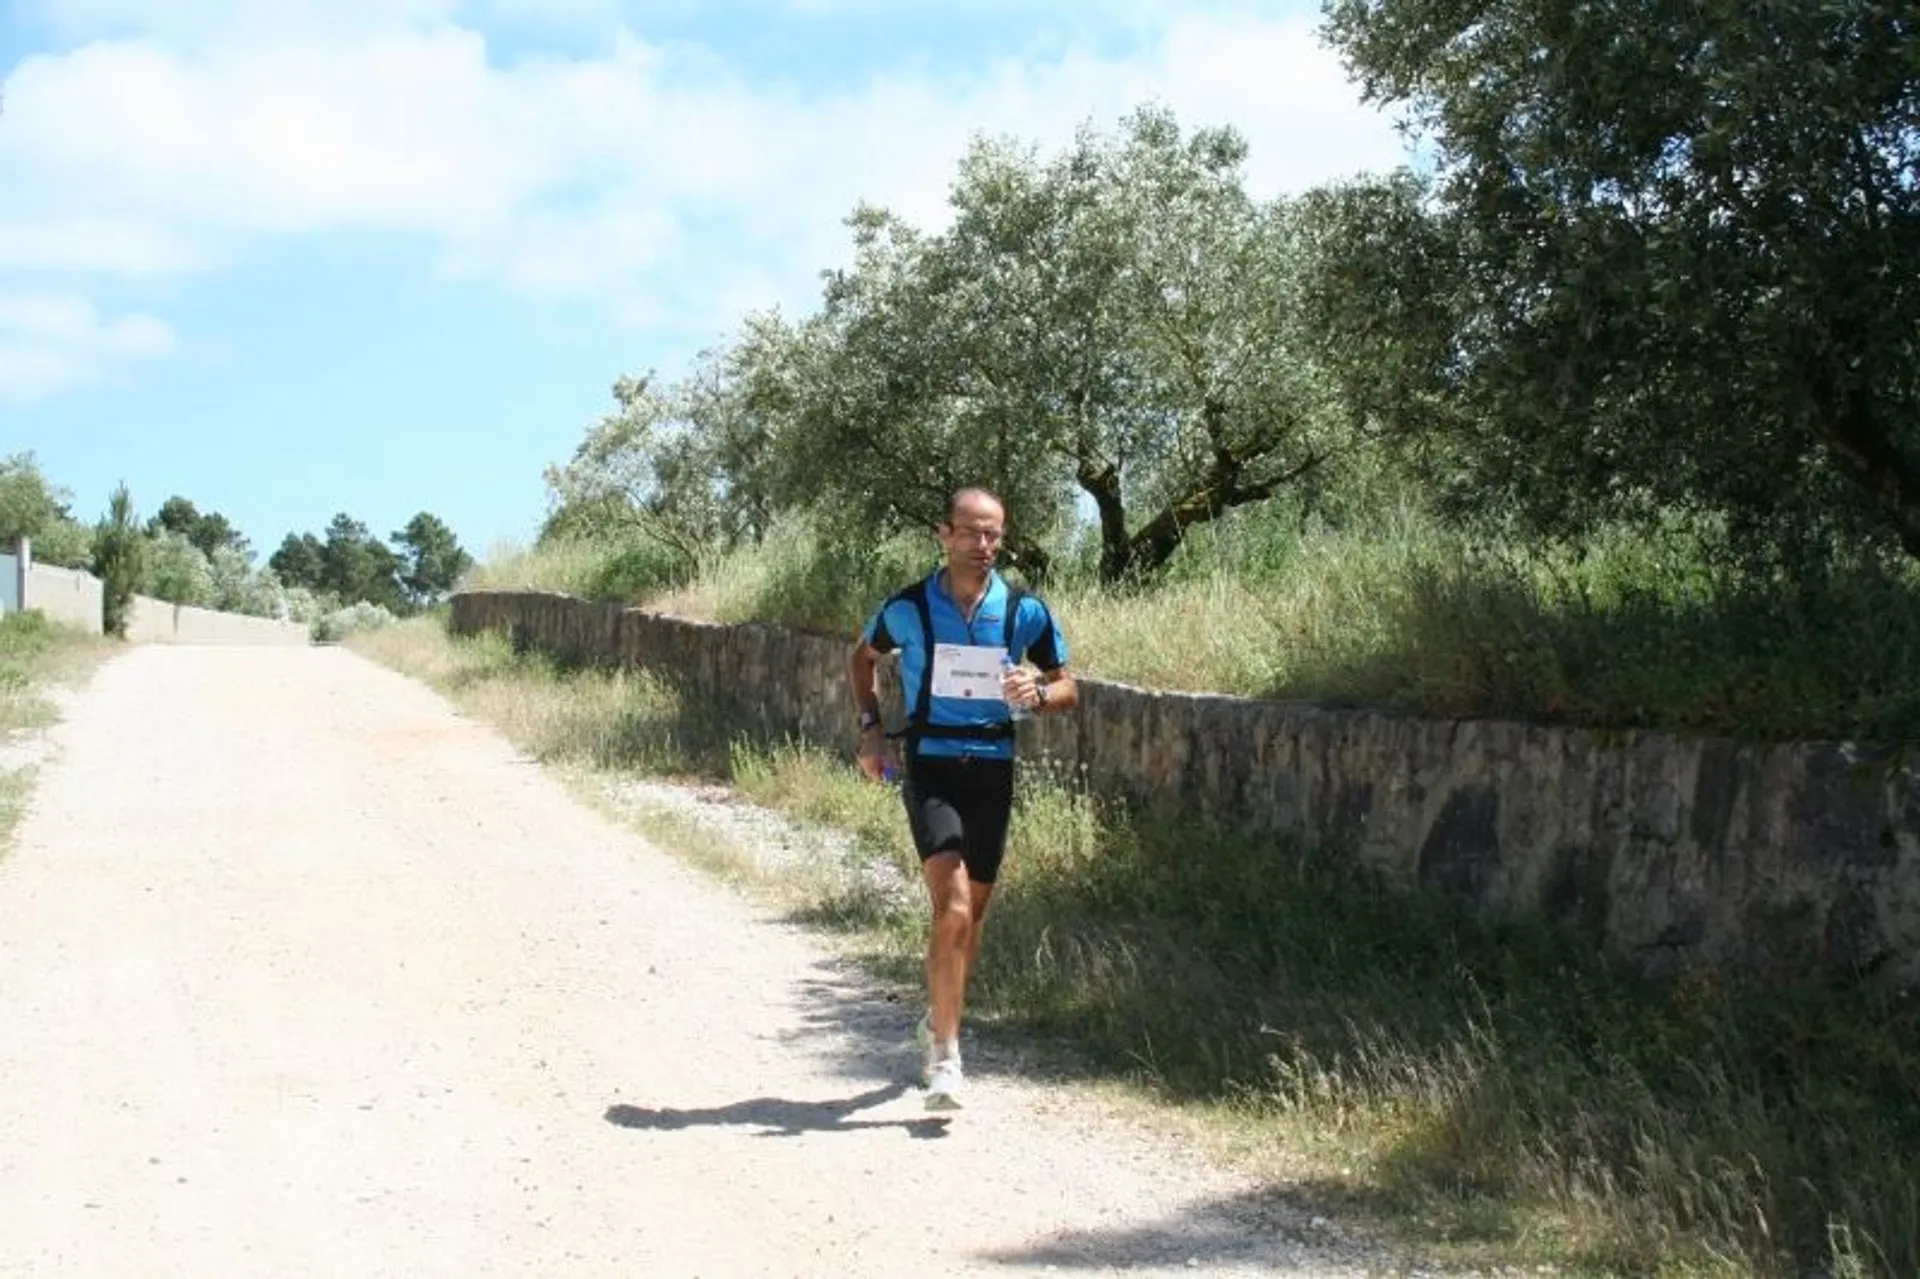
<point>604,571</point>
<point>802,580</point>
<point>34,655</point>
<point>1631,629</point>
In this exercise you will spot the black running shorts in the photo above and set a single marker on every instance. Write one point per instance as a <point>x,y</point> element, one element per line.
<point>961,805</point>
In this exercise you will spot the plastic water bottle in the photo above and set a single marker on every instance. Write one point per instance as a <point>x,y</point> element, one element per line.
<point>1017,713</point>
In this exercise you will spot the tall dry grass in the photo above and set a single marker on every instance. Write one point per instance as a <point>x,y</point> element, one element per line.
<point>1634,628</point>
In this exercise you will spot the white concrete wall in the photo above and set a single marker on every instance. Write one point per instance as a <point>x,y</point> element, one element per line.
<point>77,599</point>
<point>9,582</point>
<point>67,596</point>
<point>151,621</point>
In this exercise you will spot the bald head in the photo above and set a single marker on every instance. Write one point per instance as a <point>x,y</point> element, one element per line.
<point>971,533</point>
<point>974,500</point>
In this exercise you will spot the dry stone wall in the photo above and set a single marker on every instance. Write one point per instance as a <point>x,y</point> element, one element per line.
<point>1670,852</point>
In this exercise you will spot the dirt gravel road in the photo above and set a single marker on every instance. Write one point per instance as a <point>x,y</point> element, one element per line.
<point>303,974</point>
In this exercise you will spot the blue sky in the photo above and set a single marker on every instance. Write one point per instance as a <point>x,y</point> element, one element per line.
<point>294,257</point>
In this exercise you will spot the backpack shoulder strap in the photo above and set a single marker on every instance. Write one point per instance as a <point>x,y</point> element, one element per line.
<point>1015,596</point>
<point>912,593</point>
<point>916,595</point>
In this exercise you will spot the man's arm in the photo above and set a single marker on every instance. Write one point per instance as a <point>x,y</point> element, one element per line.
<point>1057,691</point>
<point>1053,690</point>
<point>1047,693</point>
<point>866,703</point>
<point>860,669</point>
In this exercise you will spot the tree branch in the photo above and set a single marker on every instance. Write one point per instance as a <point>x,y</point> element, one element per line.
<point>1868,453</point>
<point>1101,480</point>
<point>1219,492</point>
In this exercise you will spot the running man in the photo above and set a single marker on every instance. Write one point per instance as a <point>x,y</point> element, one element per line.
<point>962,633</point>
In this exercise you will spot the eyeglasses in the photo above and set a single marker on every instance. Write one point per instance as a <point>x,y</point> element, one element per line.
<point>968,533</point>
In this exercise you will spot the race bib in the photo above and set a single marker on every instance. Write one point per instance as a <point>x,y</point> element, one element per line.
<point>964,671</point>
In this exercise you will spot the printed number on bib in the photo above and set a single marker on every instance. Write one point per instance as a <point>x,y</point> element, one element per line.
<point>964,671</point>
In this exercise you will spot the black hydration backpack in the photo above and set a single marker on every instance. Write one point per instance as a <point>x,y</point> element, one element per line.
<point>917,725</point>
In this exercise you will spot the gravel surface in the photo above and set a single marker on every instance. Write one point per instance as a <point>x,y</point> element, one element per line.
<point>304,974</point>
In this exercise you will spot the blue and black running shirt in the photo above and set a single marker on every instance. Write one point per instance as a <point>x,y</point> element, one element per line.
<point>896,625</point>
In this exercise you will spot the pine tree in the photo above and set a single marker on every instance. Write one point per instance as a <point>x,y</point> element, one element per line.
<point>117,560</point>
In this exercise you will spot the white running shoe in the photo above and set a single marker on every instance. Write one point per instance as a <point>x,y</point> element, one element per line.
<point>923,1036</point>
<point>944,1084</point>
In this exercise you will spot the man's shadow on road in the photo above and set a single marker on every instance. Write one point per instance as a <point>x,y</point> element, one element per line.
<point>778,1117</point>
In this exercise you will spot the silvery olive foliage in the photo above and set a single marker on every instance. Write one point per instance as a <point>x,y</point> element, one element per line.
<point>1668,256</point>
<point>1111,329</point>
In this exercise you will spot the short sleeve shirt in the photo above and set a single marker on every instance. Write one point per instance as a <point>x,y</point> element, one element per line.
<point>896,625</point>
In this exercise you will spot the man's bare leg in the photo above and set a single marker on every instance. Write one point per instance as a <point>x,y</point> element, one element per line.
<point>980,893</point>
<point>950,944</point>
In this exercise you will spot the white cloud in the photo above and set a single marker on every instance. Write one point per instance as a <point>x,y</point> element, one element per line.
<point>657,179</point>
<point>50,342</point>
<point>201,21</point>
<point>396,133</point>
<point>118,246</point>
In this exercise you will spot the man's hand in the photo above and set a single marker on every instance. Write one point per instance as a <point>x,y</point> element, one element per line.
<point>872,756</point>
<point>1020,688</point>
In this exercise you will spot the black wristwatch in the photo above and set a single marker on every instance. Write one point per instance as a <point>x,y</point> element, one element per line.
<point>869,719</point>
<point>1040,692</point>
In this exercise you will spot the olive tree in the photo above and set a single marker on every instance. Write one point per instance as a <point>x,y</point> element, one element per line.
<point>1116,323</point>
<point>1680,252</point>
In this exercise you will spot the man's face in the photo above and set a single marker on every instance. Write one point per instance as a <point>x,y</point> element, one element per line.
<point>972,536</point>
